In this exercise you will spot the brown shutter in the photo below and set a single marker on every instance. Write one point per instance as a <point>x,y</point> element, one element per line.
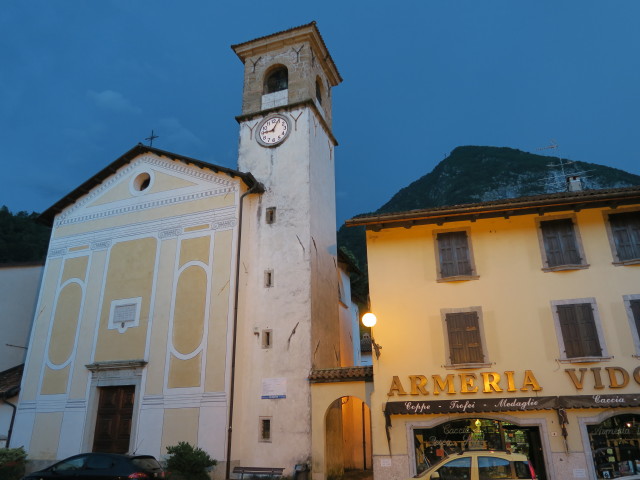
<point>445,248</point>
<point>454,254</point>
<point>579,332</point>
<point>560,242</point>
<point>626,234</point>
<point>465,344</point>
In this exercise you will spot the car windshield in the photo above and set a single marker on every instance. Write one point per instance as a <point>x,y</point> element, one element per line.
<point>433,467</point>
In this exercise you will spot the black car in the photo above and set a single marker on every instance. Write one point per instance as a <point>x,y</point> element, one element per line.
<point>101,466</point>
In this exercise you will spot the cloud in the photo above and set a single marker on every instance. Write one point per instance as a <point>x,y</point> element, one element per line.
<point>114,101</point>
<point>177,134</point>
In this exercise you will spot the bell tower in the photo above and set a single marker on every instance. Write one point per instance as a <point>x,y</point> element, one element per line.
<point>288,305</point>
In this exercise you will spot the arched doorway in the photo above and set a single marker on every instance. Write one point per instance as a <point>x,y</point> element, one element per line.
<point>348,439</point>
<point>478,433</point>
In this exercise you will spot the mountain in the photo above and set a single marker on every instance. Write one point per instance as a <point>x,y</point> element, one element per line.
<point>473,174</point>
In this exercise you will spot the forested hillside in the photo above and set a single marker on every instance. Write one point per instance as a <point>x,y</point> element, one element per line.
<point>22,238</point>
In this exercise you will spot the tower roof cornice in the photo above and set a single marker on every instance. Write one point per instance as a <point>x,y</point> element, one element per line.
<point>292,36</point>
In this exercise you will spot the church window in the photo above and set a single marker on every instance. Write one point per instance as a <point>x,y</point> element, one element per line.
<point>265,429</point>
<point>277,80</point>
<point>267,338</point>
<point>142,182</point>
<point>270,216</point>
<point>318,91</point>
<point>268,278</point>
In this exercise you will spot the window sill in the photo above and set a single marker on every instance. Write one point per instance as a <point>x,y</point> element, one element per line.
<point>635,261</point>
<point>458,278</point>
<point>584,359</point>
<point>559,268</point>
<point>467,366</point>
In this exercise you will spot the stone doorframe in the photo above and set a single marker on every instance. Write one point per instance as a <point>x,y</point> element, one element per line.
<point>326,387</point>
<point>112,374</point>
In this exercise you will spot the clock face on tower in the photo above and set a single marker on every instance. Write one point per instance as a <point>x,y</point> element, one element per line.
<point>273,131</point>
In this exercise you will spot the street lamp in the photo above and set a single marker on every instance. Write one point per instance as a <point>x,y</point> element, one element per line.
<point>369,320</point>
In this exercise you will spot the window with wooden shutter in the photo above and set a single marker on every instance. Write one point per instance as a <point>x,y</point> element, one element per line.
<point>635,312</point>
<point>579,332</point>
<point>560,243</point>
<point>625,228</point>
<point>454,254</point>
<point>465,340</point>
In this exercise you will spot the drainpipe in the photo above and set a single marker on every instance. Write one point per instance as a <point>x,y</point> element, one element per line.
<point>256,188</point>
<point>10,393</point>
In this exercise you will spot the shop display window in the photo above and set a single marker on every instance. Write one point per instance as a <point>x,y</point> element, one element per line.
<point>433,444</point>
<point>615,446</point>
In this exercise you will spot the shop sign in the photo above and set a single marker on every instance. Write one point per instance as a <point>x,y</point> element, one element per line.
<point>467,382</point>
<point>600,401</point>
<point>410,407</point>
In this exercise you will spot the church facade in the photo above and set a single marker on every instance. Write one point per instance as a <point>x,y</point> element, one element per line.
<point>183,301</point>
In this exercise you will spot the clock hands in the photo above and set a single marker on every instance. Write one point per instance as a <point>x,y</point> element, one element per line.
<point>274,126</point>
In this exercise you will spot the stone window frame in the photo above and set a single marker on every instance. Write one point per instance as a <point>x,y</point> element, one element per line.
<point>123,326</point>
<point>543,250</point>
<point>457,366</point>
<point>456,278</point>
<point>597,323</point>
<point>612,243</point>
<point>635,330</point>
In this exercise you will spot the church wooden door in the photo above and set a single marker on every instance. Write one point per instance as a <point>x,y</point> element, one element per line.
<point>113,422</point>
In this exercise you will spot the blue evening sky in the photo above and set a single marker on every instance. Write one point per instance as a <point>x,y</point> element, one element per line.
<point>81,82</point>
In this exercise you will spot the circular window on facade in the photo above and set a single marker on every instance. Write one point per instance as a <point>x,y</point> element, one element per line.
<point>141,183</point>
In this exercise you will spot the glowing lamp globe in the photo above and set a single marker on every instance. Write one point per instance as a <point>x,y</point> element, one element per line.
<point>369,319</point>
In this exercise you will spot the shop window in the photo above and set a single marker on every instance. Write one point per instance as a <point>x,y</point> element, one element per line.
<point>615,446</point>
<point>560,244</point>
<point>465,337</point>
<point>454,256</point>
<point>632,306</point>
<point>447,439</point>
<point>579,331</point>
<point>624,236</point>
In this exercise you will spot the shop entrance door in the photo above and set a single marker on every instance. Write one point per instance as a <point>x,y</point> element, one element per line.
<point>531,446</point>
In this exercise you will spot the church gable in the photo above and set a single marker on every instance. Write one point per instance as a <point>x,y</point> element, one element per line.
<point>150,182</point>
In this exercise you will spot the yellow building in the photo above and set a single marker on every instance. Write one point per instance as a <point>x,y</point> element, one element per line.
<point>509,324</point>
